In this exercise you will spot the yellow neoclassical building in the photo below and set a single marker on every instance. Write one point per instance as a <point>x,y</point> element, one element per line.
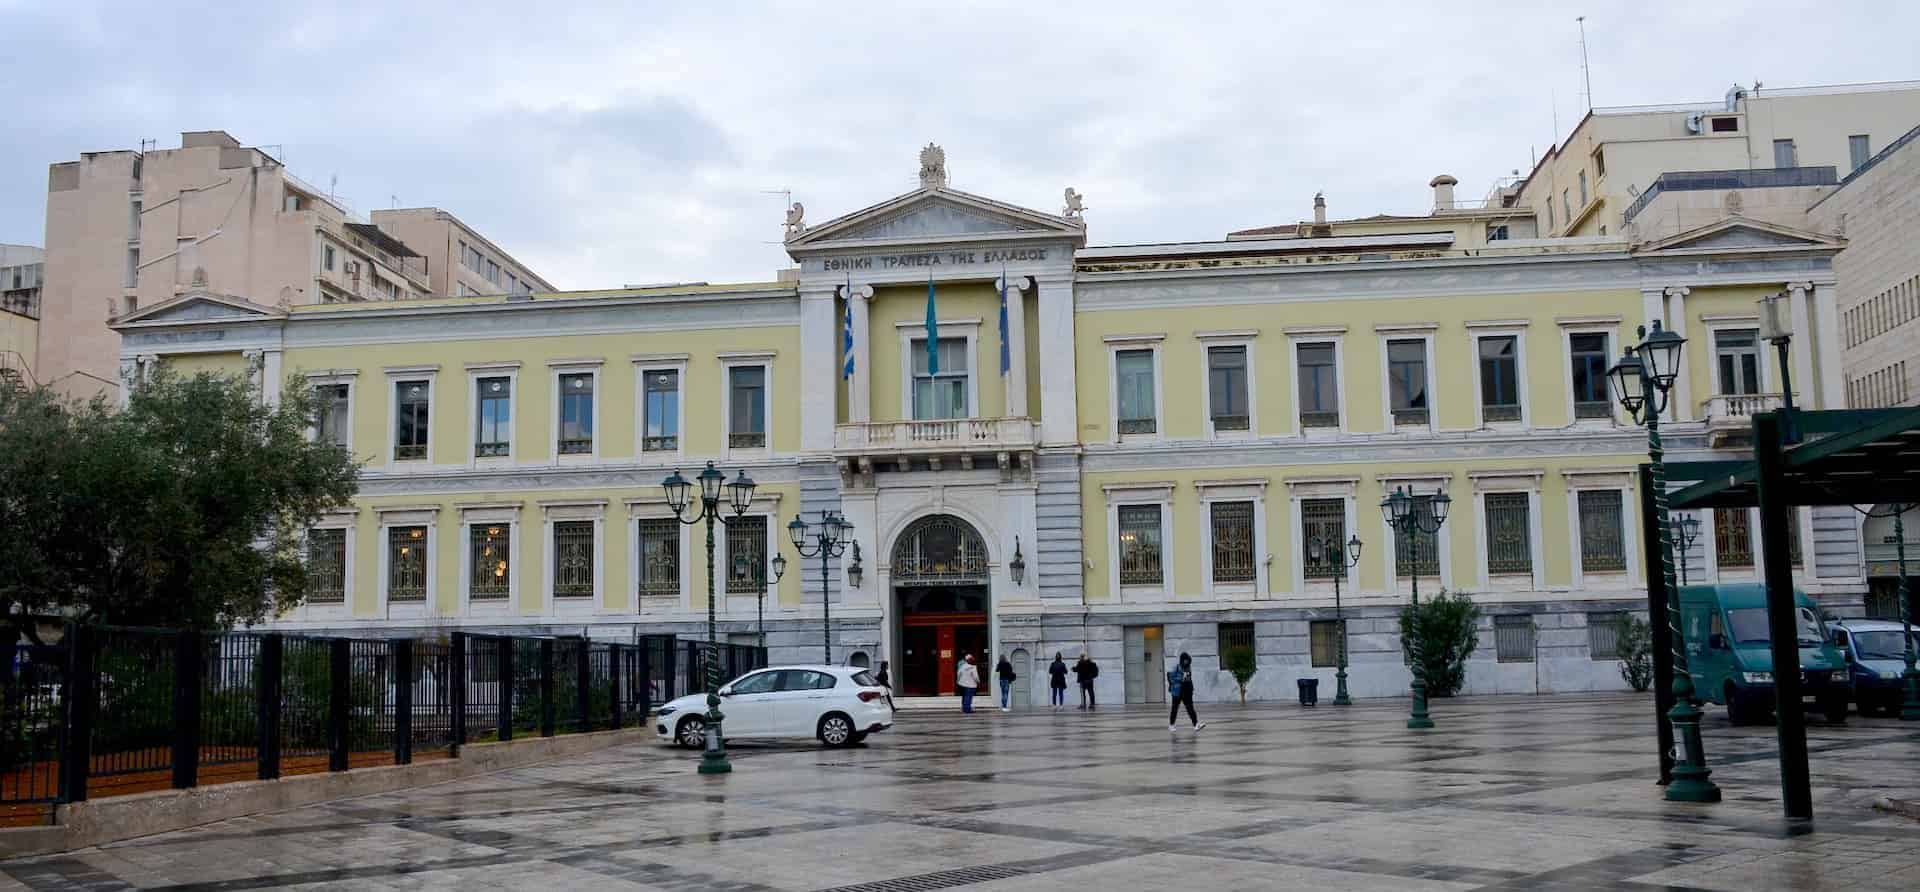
<point>1126,451</point>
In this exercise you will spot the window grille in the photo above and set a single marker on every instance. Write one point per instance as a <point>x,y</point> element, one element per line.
<point>1513,638</point>
<point>406,564</point>
<point>1234,635</point>
<point>493,435</point>
<point>939,549</point>
<point>1133,378</point>
<point>746,537</point>
<point>1509,536</point>
<point>662,411</point>
<point>1603,635</point>
<point>1883,602</point>
<point>576,414</point>
<point>573,559</point>
<point>410,428</point>
<point>1140,562</point>
<point>1233,542</point>
<point>1326,640</point>
<point>1325,520</point>
<point>1732,538</point>
<point>1227,387</point>
<point>490,574</point>
<point>1602,532</point>
<point>326,566</point>
<point>1416,552</point>
<point>659,544</point>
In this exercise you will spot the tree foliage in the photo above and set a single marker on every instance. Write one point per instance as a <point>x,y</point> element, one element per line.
<point>1634,643</point>
<point>1444,629</point>
<point>184,508</point>
<point>1239,661</point>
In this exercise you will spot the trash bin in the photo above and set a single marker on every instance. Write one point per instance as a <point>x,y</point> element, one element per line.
<point>1309,691</point>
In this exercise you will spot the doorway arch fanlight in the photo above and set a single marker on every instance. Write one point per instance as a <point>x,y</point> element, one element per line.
<point>940,549</point>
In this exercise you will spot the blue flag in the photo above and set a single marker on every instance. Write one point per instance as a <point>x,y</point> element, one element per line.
<point>846,338</point>
<point>1006,349</point>
<point>933,332</point>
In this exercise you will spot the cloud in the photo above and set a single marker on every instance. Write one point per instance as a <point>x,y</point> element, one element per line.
<point>631,142</point>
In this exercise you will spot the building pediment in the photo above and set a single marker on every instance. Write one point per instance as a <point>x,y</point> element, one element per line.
<point>934,215</point>
<point>1741,233</point>
<point>201,306</point>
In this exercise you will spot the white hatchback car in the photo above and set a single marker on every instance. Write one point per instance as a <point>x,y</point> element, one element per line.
<point>840,705</point>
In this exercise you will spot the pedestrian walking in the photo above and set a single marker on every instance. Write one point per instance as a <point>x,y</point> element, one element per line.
<point>1180,689</point>
<point>1057,685</point>
<point>967,678</point>
<point>1085,672</point>
<point>1004,669</point>
<point>886,681</point>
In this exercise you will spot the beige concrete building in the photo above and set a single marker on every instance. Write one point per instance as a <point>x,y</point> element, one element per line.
<point>1453,224</point>
<point>20,267</point>
<point>460,261</point>
<point>1617,161</point>
<point>1876,208</point>
<point>130,229</point>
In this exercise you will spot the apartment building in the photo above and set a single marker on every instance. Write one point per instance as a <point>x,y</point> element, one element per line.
<point>133,229</point>
<point>460,261</point>
<point>1876,207</point>
<point>1145,457</point>
<point>20,270</point>
<point>1754,141</point>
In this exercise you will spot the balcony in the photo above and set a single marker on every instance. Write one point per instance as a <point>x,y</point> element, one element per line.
<point>1729,414</point>
<point>932,441</point>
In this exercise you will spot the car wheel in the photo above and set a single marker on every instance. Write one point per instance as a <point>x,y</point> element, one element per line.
<point>836,730</point>
<point>691,733</point>
<point>1739,712</point>
<point>1834,707</point>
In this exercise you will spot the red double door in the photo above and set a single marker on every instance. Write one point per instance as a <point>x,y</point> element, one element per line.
<point>933,644</point>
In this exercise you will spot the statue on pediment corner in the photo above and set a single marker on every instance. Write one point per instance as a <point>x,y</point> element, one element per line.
<point>933,167</point>
<point>796,219</point>
<point>1076,205</point>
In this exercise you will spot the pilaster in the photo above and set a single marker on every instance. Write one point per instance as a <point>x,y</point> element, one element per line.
<point>818,366</point>
<point>1802,358</point>
<point>1016,376</point>
<point>1681,407</point>
<point>1826,318</point>
<point>1059,411</point>
<point>860,384</point>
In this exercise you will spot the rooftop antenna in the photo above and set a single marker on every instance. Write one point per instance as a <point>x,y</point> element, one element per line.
<point>333,184</point>
<point>395,199</point>
<point>148,144</point>
<point>1585,73</point>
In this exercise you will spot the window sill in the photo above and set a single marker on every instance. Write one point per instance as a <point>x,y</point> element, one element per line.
<point>407,610</point>
<point>490,606</point>
<point>575,606</point>
<point>1143,592</point>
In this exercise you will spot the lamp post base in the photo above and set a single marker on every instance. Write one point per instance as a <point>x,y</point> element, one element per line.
<point>1910,706</point>
<point>1690,772</point>
<point>1419,719</point>
<point>1340,697</point>
<point>713,757</point>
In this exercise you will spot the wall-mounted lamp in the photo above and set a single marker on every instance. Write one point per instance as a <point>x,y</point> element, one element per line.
<point>854,570</point>
<point>1018,566</point>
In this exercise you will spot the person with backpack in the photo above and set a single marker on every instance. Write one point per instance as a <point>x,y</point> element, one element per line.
<point>1004,669</point>
<point>1085,672</point>
<point>967,678</point>
<point>1057,686</point>
<point>1180,689</point>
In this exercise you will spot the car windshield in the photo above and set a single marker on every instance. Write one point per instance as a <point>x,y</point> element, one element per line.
<point>1880,645</point>
<point>864,679</point>
<point>1749,625</point>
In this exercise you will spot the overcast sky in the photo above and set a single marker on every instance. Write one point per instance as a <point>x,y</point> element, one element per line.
<point>638,142</point>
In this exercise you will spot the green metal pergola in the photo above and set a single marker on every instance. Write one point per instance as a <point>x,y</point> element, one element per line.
<point>1830,457</point>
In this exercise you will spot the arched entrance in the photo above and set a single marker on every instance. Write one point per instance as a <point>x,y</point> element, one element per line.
<point>941,600</point>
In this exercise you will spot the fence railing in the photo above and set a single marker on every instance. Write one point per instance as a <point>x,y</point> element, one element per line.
<point>107,711</point>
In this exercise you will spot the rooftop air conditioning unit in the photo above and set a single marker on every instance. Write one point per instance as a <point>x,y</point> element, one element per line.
<point>1694,122</point>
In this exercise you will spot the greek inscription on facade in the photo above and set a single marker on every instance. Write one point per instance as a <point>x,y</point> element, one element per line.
<point>932,259</point>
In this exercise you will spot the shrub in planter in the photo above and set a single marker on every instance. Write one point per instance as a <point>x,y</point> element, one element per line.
<point>1239,661</point>
<point>1444,629</point>
<point>1634,644</point>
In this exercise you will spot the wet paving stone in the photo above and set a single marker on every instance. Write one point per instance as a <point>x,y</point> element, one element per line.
<point>1507,793</point>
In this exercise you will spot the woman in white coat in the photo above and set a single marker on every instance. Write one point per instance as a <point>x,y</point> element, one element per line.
<point>968,680</point>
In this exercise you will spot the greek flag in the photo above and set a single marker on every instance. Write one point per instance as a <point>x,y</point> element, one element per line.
<point>933,332</point>
<point>846,337</point>
<point>1006,349</point>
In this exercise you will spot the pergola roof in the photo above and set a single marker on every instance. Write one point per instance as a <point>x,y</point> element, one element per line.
<point>1845,457</point>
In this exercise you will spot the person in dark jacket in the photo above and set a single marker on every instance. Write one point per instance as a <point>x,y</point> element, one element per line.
<point>1180,689</point>
<point>1085,672</point>
<point>886,681</point>
<point>1057,686</point>
<point>1004,669</point>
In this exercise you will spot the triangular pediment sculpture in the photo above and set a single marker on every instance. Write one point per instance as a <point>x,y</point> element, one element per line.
<point>1741,232</point>
<point>933,215</point>
<point>198,306</point>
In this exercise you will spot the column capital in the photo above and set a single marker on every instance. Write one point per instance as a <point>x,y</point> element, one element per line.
<point>1012,283</point>
<point>1676,291</point>
<point>1801,287</point>
<point>856,292</point>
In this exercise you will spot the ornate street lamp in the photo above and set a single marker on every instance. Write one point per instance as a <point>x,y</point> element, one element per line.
<point>854,570</point>
<point>1641,384</point>
<point>713,758</point>
<point>1413,516</point>
<point>829,535</point>
<point>745,568</point>
<point>1779,332</point>
<point>1687,530</point>
<point>1327,550</point>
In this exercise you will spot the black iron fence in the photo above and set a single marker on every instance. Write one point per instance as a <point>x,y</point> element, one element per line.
<point>110,710</point>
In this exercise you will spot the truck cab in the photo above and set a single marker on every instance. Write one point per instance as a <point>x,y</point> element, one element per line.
<point>1730,655</point>
<point>1875,651</point>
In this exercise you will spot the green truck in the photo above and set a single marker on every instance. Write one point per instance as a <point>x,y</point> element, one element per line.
<point>1730,655</point>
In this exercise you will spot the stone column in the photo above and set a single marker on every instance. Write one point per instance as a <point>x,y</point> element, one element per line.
<point>1059,413</point>
<point>1681,407</point>
<point>819,368</point>
<point>1016,377</point>
<point>1826,336</point>
<point>1801,354</point>
<point>271,371</point>
<point>860,386</point>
